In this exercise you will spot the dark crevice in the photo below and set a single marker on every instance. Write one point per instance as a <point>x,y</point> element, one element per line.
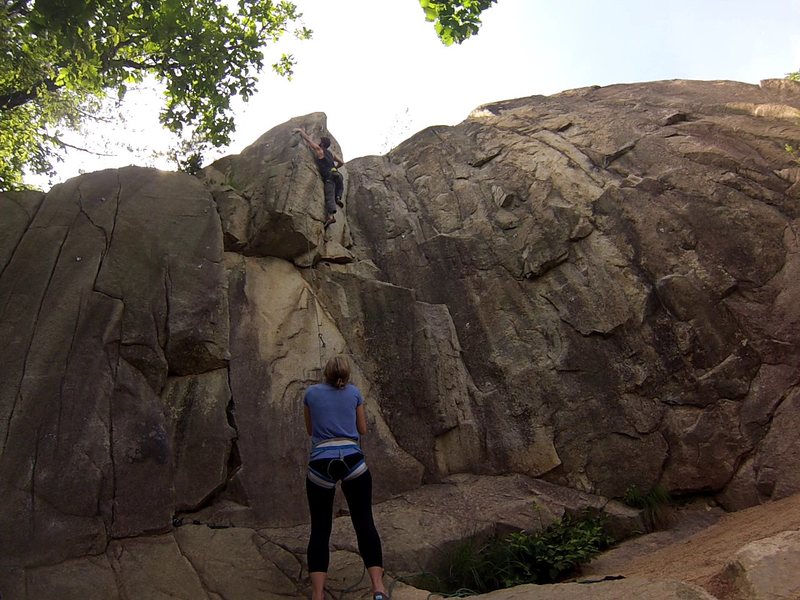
<point>35,459</point>
<point>478,163</point>
<point>570,160</point>
<point>294,577</point>
<point>133,345</point>
<point>544,268</point>
<point>610,158</point>
<point>776,408</point>
<point>167,305</point>
<point>594,333</point>
<point>111,449</point>
<point>211,499</point>
<point>626,435</point>
<point>111,296</point>
<point>234,458</point>
<point>90,220</point>
<point>190,563</point>
<point>109,241</point>
<point>234,463</point>
<point>66,369</point>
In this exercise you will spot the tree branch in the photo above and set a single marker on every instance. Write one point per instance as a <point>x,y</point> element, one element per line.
<point>59,142</point>
<point>20,97</point>
<point>93,117</point>
<point>108,57</point>
<point>126,62</point>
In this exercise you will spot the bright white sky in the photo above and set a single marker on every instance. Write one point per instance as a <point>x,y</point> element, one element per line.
<point>379,72</point>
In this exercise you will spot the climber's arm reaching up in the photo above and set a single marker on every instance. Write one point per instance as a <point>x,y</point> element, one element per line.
<point>313,146</point>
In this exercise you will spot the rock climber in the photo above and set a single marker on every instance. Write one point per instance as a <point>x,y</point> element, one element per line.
<point>328,164</point>
<point>335,420</point>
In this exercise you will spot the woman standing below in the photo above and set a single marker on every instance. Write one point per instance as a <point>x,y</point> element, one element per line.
<point>335,420</point>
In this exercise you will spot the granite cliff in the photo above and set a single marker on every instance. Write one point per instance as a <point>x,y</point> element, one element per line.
<point>557,299</point>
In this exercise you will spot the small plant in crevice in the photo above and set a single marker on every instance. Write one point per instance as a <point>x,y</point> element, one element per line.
<point>794,152</point>
<point>479,566</point>
<point>653,503</point>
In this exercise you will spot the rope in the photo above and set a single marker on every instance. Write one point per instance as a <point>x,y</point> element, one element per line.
<point>316,309</point>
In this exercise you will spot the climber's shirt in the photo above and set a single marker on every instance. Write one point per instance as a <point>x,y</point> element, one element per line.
<point>326,165</point>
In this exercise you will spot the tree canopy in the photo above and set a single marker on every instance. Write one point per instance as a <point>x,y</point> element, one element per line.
<point>60,59</point>
<point>455,20</point>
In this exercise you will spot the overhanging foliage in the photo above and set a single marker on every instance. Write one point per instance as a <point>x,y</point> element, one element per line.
<point>455,20</point>
<point>60,56</point>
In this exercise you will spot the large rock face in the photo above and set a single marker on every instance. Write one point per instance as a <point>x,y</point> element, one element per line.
<point>620,265</point>
<point>115,288</point>
<point>596,289</point>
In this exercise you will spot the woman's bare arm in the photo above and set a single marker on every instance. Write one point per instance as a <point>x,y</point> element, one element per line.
<point>361,420</point>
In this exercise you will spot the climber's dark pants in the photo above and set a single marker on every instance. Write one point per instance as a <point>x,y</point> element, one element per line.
<point>334,188</point>
<point>358,493</point>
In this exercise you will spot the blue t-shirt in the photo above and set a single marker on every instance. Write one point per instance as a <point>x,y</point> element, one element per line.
<point>333,411</point>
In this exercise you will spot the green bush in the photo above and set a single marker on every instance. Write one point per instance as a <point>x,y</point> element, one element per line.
<point>652,503</point>
<point>544,557</point>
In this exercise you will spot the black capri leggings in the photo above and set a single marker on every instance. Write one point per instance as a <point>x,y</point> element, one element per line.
<point>358,493</point>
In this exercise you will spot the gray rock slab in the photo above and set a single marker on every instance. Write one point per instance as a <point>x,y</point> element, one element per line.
<point>604,590</point>
<point>767,569</point>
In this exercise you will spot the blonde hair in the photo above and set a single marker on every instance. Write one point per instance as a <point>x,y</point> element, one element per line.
<point>337,371</point>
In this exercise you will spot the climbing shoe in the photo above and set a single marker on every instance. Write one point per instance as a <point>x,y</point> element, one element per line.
<point>380,596</point>
<point>330,220</point>
<point>340,203</point>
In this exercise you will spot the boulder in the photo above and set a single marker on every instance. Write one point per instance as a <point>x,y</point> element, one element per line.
<point>270,196</point>
<point>603,590</point>
<point>765,569</point>
<point>708,556</point>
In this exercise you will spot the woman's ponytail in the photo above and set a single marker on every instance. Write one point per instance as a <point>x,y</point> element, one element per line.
<point>337,372</point>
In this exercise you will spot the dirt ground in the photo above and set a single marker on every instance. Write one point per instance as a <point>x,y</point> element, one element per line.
<point>698,544</point>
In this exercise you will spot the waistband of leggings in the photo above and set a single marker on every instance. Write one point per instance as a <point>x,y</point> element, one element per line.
<point>336,443</point>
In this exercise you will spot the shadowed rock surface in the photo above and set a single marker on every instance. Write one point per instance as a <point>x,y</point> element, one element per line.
<point>557,299</point>
<point>620,267</point>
